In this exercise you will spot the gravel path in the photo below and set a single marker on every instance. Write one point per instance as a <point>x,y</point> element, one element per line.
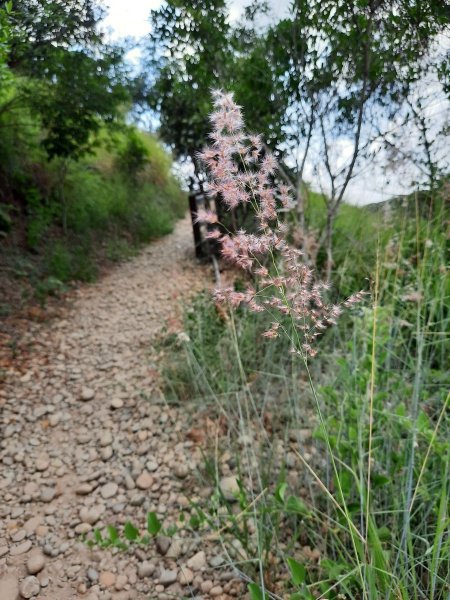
<point>87,440</point>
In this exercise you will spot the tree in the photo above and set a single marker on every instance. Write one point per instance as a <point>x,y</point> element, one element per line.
<point>193,49</point>
<point>41,27</point>
<point>347,67</point>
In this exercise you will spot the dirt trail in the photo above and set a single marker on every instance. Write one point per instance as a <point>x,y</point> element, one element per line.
<point>87,440</point>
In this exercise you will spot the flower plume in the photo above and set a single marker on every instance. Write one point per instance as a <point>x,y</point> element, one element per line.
<point>242,172</point>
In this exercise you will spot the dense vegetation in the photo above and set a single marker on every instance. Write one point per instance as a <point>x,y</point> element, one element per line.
<point>78,185</point>
<point>380,382</point>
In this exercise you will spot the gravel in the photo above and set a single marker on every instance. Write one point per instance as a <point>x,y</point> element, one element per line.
<point>89,441</point>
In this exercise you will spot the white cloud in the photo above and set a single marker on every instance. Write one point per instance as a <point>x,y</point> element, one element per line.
<point>129,18</point>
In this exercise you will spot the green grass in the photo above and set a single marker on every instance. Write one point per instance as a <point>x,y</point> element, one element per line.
<point>108,204</point>
<point>369,491</point>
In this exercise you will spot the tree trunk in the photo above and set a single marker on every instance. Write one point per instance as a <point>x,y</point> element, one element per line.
<point>301,204</point>
<point>329,244</point>
<point>62,194</point>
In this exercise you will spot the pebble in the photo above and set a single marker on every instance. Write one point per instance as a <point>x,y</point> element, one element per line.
<point>216,591</point>
<point>206,586</point>
<point>87,394</point>
<point>175,549</point>
<point>163,544</point>
<point>229,487</point>
<point>145,569</point>
<point>88,441</point>
<point>30,587</point>
<point>21,548</point>
<point>181,471</point>
<point>109,490</point>
<point>167,577</point>
<point>83,489</point>
<point>42,464</point>
<point>92,575</point>
<point>198,561</point>
<point>19,535</point>
<point>121,582</point>
<point>185,576</point>
<point>107,579</point>
<point>116,403</point>
<point>91,514</point>
<point>144,481</point>
<point>47,494</point>
<point>35,563</point>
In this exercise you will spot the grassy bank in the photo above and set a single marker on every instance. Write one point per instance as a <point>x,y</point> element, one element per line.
<point>61,219</point>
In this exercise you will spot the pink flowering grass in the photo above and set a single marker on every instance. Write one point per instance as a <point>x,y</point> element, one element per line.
<point>243,172</point>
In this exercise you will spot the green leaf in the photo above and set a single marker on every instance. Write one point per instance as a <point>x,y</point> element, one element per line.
<point>98,536</point>
<point>153,523</point>
<point>256,592</point>
<point>295,505</point>
<point>346,480</point>
<point>130,531</point>
<point>194,522</point>
<point>423,422</point>
<point>113,534</point>
<point>280,492</point>
<point>298,571</point>
<point>378,480</point>
<point>304,594</point>
<point>384,534</point>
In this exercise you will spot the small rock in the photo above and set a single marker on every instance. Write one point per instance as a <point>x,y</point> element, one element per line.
<point>216,561</point>
<point>145,569</point>
<point>47,494</point>
<point>107,579</point>
<point>163,544</point>
<point>197,562</point>
<point>54,419</point>
<point>21,548</point>
<point>175,549</point>
<point>19,535</point>
<point>31,488</point>
<point>151,465</point>
<point>35,563</point>
<point>106,453</point>
<point>121,582</point>
<point>181,471</point>
<point>229,487</point>
<point>82,528</point>
<point>109,490</point>
<point>83,489</point>
<point>92,575</point>
<point>144,481</point>
<point>167,577</point>
<point>87,394</point>
<point>32,524</point>
<point>215,591</point>
<point>137,500</point>
<point>30,587</point>
<point>42,463</point>
<point>105,439</point>
<point>206,586</point>
<point>3,550</point>
<point>116,403</point>
<point>91,514</point>
<point>186,576</point>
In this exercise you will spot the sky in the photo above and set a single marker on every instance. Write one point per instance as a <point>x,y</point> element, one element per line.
<point>130,18</point>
